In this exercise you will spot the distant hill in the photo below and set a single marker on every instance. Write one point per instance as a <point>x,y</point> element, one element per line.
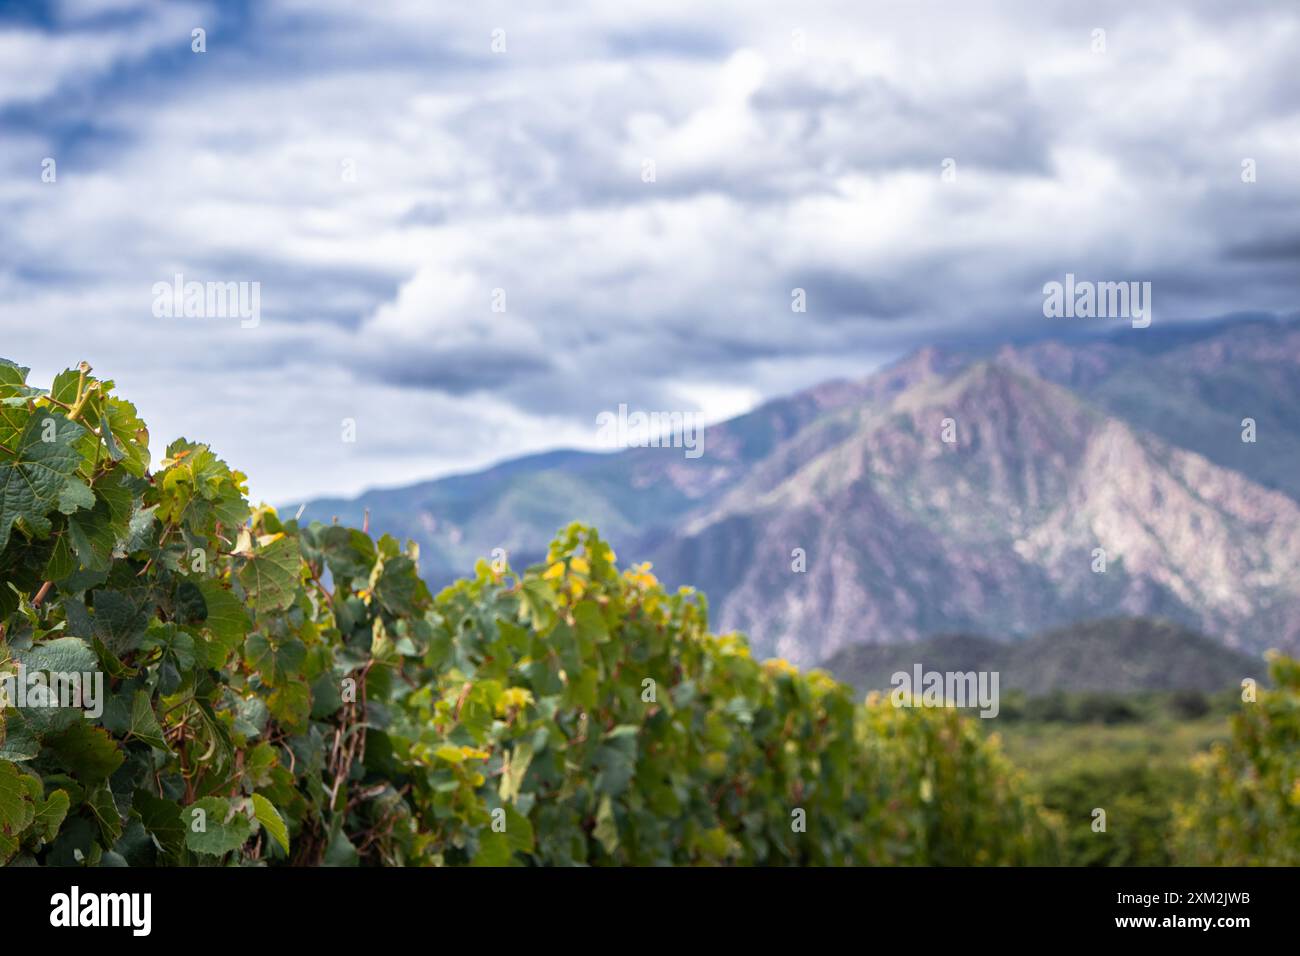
<point>1059,447</point>
<point>1114,654</point>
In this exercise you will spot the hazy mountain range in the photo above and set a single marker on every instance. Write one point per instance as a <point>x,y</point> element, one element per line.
<point>1113,655</point>
<point>1130,443</point>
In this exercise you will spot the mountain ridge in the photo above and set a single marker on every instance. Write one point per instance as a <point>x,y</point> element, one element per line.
<point>1118,655</point>
<point>1058,447</point>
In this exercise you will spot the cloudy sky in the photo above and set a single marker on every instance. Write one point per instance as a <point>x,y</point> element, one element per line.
<point>380,169</point>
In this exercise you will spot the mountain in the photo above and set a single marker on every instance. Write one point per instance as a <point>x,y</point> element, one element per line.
<point>628,495</point>
<point>1129,444</point>
<point>907,535</point>
<point>1114,654</point>
<point>1192,387</point>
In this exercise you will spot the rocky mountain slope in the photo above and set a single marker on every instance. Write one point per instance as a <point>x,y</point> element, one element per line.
<point>955,491</point>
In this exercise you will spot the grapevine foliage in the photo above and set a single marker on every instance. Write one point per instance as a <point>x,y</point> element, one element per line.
<point>282,694</point>
<point>1247,809</point>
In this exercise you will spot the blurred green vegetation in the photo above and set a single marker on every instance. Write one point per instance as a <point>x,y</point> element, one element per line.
<point>1246,808</point>
<point>1130,755</point>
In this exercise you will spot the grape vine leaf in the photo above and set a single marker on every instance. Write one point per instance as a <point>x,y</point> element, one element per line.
<point>103,808</point>
<point>34,479</point>
<point>92,536</point>
<point>220,828</point>
<point>498,848</point>
<point>14,395</point>
<point>162,818</point>
<point>512,776</point>
<point>50,815</point>
<point>16,809</point>
<point>615,759</point>
<point>144,723</point>
<point>270,818</point>
<point>226,618</point>
<point>270,575</point>
<point>606,831</point>
<point>87,751</point>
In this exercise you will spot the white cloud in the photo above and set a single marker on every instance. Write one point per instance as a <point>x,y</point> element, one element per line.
<point>522,171</point>
<point>37,64</point>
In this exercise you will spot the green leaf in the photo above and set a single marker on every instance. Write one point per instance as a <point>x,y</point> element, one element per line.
<point>270,818</point>
<point>291,705</point>
<point>75,494</point>
<point>15,393</point>
<point>35,476</point>
<point>144,723</point>
<point>93,536</point>
<point>515,771</point>
<point>51,814</point>
<point>61,562</point>
<point>537,604</point>
<point>121,619</point>
<point>399,589</point>
<point>111,444</point>
<point>498,848</point>
<point>66,655</point>
<point>18,738</point>
<point>67,662</point>
<point>198,488</point>
<point>119,498</point>
<point>278,664</point>
<point>162,818</point>
<point>616,760</point>
<point>452,755</point>
<point>226,617</point>
<point>606,831</point>
<point>341,852</point>
<point>104,809</point>
<point>86,751</point>
<point>270,576</point>
<point>129,434</point>
<point>348,553</point>
<point>215,826</point>
<point>16,808</point>
<point>592,628</point>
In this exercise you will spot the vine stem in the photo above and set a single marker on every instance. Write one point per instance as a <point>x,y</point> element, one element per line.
<point>315,577</point>
<point>82,394</point>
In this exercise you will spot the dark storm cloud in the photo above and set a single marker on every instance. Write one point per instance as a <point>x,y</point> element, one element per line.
<point>462,370</point>
<point>1270,249</point>
<point>845,295</point>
